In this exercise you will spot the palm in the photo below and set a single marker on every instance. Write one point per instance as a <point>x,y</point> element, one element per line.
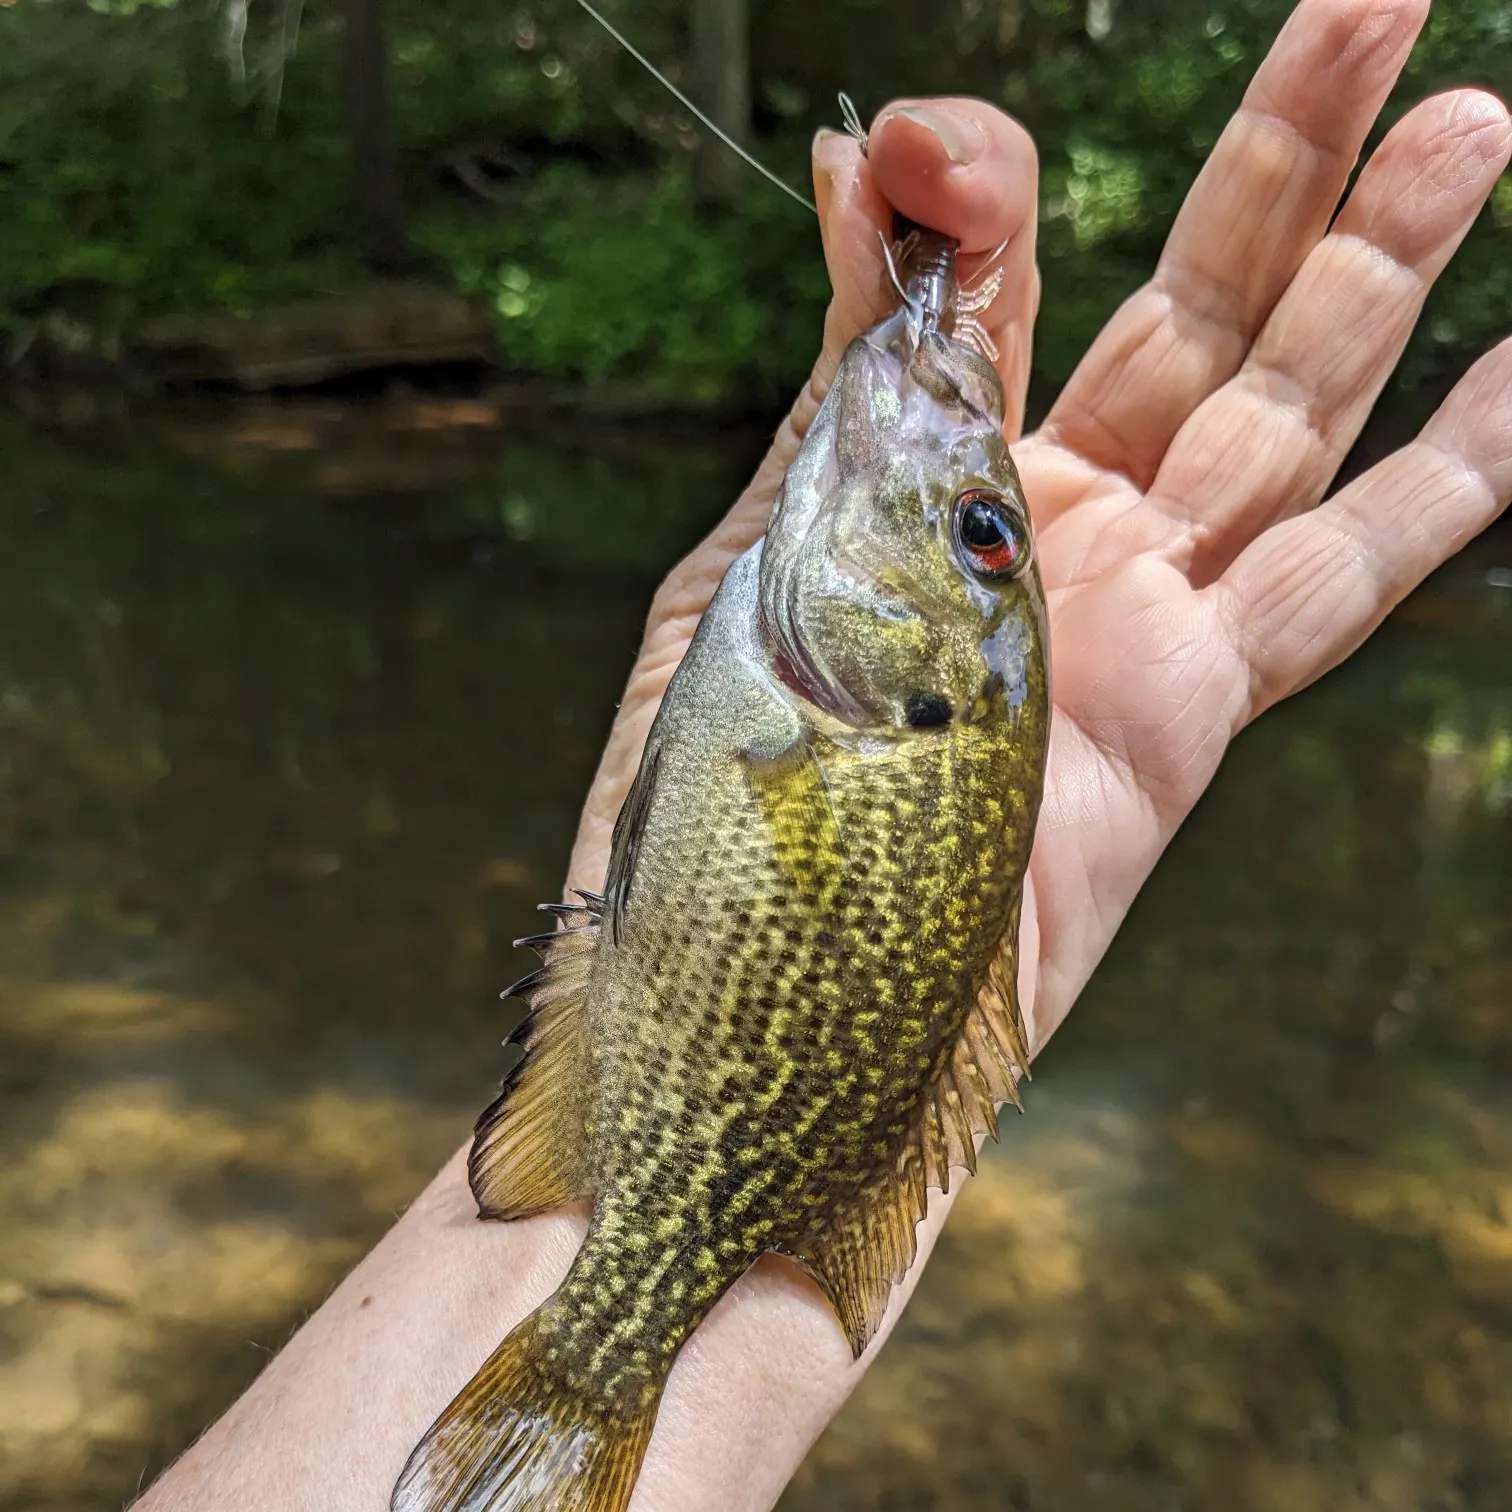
<point>1191,580</point>
<point>1146,688</point>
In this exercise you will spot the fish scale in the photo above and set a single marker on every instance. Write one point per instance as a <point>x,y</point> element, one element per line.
<point>687,1085</point>
<point>794,1009</point>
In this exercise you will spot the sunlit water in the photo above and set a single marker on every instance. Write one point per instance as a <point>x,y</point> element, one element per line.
<point>297,706</point>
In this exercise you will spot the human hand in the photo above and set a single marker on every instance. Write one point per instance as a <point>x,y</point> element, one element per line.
<point>1193,578</point>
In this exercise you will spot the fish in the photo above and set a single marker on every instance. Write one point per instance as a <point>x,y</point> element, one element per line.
<point>794,1007</point>
<point>793,1010</point>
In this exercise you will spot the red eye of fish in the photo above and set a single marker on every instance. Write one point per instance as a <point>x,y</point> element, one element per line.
<point>992,539</point>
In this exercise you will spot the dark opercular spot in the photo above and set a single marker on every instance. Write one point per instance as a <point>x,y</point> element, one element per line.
<point>926,709</point>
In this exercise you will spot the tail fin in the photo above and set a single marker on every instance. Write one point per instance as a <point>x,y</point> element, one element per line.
<point>520,1437</point>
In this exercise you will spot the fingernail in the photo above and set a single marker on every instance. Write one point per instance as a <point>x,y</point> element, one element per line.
<point>960,136</point>
<point>828,156</point>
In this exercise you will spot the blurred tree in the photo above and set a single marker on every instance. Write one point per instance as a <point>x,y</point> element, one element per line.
<point>139,173</point>
<point>722,84</point>
<point>375,161</point>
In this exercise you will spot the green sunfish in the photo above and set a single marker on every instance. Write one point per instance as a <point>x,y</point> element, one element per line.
<point>795,1005</point>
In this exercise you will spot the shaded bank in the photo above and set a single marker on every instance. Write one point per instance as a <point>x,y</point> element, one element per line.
<point>155,161</point>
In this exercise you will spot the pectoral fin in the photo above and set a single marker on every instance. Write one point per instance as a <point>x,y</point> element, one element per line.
<point>793,789</point>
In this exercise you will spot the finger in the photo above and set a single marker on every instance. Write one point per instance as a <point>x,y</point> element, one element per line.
<point>1258,208</point>
<point>1304,595</point>
<point>958,166</point>
<point>1268,443</point>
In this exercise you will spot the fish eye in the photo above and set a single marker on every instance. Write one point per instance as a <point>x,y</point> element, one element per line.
<point>992,538</point>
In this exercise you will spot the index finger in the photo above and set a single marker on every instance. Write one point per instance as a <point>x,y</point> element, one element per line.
<point>959,166</point>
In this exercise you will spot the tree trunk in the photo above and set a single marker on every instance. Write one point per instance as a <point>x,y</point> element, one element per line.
<point>375,163</point>
<point>722,87</point>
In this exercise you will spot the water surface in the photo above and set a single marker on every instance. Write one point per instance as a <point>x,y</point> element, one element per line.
<point>297,707</point>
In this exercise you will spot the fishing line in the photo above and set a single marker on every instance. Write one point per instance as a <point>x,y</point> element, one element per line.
<point>687,104</point>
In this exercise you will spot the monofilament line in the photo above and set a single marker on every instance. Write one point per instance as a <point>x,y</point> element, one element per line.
<point>687,104</point>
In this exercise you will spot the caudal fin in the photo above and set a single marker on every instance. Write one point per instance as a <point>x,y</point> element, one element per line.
<point>520,1438</point>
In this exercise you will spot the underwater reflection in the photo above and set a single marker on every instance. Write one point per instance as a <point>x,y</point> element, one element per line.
<point>297,707</point>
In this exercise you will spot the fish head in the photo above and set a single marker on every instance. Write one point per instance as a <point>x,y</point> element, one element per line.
<point>899,588</point>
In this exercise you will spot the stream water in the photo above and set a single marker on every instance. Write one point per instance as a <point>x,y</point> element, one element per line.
<point>297,706</point>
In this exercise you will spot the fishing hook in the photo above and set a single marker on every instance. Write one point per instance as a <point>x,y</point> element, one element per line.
<point>852,119</point>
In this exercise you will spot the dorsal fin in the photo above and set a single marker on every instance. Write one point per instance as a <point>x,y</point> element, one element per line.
<point>625,843</point>
<point>530,1146</point>
<point>866,1249</point>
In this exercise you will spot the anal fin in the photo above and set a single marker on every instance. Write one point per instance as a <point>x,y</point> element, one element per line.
<point>867,1248</point>
<point>529,1146</point>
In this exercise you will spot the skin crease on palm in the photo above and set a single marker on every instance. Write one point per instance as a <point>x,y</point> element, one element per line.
<point>1194,579</point>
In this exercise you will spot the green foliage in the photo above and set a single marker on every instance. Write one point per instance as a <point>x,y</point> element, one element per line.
<point>132,180</point>
<point>152,158</point>
<point>632,283</point>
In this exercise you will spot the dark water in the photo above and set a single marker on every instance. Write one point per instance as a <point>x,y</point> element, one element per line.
<point>296,710</point>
